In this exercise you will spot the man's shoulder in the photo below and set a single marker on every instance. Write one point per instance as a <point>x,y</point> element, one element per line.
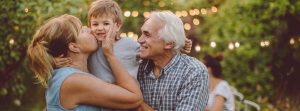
<point>191,62</point>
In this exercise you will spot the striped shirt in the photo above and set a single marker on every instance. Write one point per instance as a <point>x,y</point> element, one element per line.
<point>182,85</point>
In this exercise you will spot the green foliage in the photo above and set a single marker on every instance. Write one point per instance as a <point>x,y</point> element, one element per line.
<point>248,22</point>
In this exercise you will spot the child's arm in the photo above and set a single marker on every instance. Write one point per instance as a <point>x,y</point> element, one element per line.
<point>61,61</point>
<point>188,46</point>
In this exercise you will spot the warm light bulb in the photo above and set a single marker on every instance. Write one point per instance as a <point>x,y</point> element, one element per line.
<point>213,44</point>
<point>146,14</point>
<point>130,34</point>
<point>237,44</point>
<point>203,11</point>
<point>123,35</point>
<point>135,13</point>
<point>187,26</point>
<point>197,48</point>
<point>127,13</point>
<point>231,46</point>
<point>292,41</point>
<point>11,41</point>
<point>214,9</point>
<point>196,21</point>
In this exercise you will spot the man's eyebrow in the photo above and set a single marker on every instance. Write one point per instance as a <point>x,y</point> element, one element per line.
<point>146,31</point>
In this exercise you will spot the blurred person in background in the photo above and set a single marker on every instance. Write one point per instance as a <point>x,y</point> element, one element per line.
<point>220,95</point>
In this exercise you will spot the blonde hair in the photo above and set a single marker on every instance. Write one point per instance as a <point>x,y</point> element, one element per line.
<point>101,8</point>
<point>51,40</point>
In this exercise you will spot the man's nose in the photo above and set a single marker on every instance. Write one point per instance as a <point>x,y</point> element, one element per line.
<point>141,39</point>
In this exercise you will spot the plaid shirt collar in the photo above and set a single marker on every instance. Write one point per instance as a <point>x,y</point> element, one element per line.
<point>150,65</point>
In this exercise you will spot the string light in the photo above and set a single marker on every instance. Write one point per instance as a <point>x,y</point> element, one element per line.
<point>135,13</point>
<point>178,13</point>
<point>214,9</point>
<point>267,43</point>
<point>184,13</point>
<point>123,35</point>
<point>196,21</point>
<point>135,37</point>
<point>11,41</point>
<point>197,48</point>
<point>26,10</point>
<point>127,13</point>
<point>231,46</point>
<point>192,12</point>
<point>292,41</point>
<point>262,44</point>
<point>237,44</point>
<point>130,34</point>
<point>197,12</point>
<point>187,26</point>
<point>213,44</point>
<point>146,14</point>
<point>203,11</point>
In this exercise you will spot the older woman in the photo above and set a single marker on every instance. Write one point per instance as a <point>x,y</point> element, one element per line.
<point>72,88</point>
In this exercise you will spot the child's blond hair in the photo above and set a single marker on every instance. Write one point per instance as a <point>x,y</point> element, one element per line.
<point>101,8</point>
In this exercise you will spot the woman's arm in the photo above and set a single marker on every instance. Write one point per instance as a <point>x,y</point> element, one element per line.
<point>85,89</point>
<point>218,104</point>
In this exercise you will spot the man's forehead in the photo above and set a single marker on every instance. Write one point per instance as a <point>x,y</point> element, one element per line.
<point>151,24</point>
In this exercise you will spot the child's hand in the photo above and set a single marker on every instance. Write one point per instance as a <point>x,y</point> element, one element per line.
<point>107,43</point>
<point>61,61</point>
<point>188,46</point>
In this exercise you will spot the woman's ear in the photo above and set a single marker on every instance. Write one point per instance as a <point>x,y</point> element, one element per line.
<point>73,47</point>
<point>169,45</point>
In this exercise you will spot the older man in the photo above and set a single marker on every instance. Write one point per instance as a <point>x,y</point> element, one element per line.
<point>169,80</point>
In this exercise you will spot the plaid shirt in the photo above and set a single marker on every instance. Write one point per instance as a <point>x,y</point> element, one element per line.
<point>181,86</point>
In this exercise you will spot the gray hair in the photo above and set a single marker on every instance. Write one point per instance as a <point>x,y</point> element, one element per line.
<point>172,31</point>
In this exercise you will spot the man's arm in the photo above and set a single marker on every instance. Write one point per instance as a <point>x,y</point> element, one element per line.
<point>193,95</point>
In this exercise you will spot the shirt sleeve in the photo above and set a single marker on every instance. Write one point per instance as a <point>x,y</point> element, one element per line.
<point>194,92</point>
<point>223,90</point>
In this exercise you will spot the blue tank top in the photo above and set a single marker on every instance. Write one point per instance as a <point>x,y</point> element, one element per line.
<point>53,91</point>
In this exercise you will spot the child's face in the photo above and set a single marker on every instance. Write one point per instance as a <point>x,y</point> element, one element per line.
<point>101,25</point>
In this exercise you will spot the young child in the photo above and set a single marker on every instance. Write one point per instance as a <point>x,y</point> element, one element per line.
<point>102,15</point>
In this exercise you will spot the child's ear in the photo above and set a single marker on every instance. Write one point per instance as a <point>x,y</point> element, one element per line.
<point>169,45</point>
<point>119,26</point>
<point>73,47</point>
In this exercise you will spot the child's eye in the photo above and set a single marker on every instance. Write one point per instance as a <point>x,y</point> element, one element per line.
<point>106,24</point>
<point>94,24</point>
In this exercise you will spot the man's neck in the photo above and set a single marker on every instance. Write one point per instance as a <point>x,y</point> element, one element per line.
<point>160,62</point>
<point>79,61</point>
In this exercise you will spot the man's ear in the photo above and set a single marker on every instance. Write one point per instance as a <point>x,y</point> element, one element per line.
<point>169,45</point>
<point>73,47</point>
